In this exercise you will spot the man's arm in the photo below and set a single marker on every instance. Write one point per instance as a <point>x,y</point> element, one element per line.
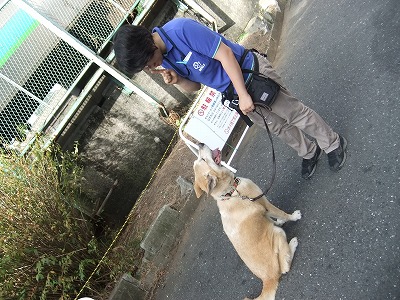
<point>231,66</point>
<point>171,77</point>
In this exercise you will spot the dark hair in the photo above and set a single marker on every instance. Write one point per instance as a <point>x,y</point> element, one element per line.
<point>133,47</point>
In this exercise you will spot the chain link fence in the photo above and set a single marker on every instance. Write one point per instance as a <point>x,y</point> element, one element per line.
<point>39,70</point>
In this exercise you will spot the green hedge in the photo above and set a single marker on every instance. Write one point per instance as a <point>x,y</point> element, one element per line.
<point>47,247</point>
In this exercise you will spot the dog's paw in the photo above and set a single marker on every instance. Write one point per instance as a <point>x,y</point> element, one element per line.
<point>279,222</point>
<point>293,243</point>
<point>296,215</point>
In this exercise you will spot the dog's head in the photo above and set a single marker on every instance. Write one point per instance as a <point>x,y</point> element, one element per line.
<point>208,176</point>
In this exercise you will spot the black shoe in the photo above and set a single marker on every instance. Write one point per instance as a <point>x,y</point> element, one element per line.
<point>337,157</point>
<point>308,166</point>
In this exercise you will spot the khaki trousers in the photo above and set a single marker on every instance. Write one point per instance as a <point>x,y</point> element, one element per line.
<point>289,119</point>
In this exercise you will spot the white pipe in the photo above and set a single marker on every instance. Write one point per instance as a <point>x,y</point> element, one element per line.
<point>3,4</point>
<point>238,144</point>
<point>117,6</point>
<point>192,146</point>
<point>22,89</point>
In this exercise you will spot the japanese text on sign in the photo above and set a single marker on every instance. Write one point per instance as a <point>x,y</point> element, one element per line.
<point>211,122</point>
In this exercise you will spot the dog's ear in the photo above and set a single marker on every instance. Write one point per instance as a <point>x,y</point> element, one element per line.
<point>212,182</point>
<point>199,184</point>
<point>204,183</point>
<point>198,191</point>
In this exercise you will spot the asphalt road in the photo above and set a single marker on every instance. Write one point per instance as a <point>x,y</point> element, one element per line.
<point>342,58</point>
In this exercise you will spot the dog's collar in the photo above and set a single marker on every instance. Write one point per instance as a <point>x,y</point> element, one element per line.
<point>236,182</point>
<point>233,189</point>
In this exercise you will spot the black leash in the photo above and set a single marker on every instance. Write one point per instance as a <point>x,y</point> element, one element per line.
<point>260,113</point>
<point>273,155</point>
<point>257,105</point>
<point>258,109</point>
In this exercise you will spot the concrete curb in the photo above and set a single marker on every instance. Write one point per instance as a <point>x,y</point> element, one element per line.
<point>158,244</point>
<point>127,288</point>
<point>163,235</point>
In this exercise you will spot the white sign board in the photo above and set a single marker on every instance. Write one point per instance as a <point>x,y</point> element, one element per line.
<point>211,122</point>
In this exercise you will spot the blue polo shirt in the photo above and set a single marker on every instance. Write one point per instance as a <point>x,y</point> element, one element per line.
<point>193,56</point>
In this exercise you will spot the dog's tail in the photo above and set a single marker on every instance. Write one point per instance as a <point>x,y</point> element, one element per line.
<point>269,289</point>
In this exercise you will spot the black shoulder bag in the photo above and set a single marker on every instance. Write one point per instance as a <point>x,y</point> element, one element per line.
<point>262,89</point>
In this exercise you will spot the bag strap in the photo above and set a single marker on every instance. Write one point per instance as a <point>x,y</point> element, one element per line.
<point>230,96</point>
<point>170,40</point>
<point>243,57</point>
<point>256,67</point>
<point>179,50</point>
<point>255,71</point>
<point>230,89</point>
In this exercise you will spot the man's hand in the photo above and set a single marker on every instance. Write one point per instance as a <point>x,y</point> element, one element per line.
<point>246,104</point>
<point>169,76</point>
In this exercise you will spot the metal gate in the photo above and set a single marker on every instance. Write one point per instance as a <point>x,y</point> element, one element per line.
<point>46,47</point>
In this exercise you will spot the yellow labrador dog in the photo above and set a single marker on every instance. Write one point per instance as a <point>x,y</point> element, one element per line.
<point>249,225</point>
